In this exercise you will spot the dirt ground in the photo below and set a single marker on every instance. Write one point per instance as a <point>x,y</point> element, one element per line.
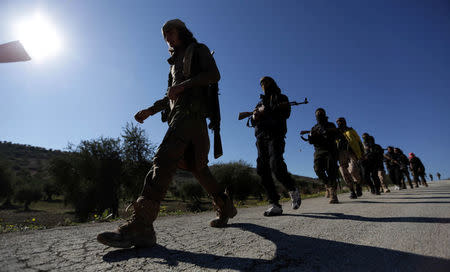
<point>36,217</point>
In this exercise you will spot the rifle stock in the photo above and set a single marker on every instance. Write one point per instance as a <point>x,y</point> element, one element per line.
<point>245,114</point>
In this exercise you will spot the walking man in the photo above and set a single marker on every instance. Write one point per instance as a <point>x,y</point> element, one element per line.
<point>186,143</point>
<point>323,136</point>
<point>269,119</point>
<point>370,164</point>
<point>393,165</point>
<point>350,150</point>
<point>373,166</point>
<point>404,165</point>
<point>418,169</point>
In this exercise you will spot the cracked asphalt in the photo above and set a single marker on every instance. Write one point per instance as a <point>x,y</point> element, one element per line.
<point>407,230</point>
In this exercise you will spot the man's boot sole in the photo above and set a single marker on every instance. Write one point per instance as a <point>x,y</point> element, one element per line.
<point>115,244</point>
<point>141,243</point>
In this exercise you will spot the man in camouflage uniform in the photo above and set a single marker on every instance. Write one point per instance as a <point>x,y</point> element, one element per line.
<point>438,175</point>
<point>404,165</point>
<point>371,163</point>
<point>431,177</point>
<point>269,119</point>
<point>350,150</point>
<point>323,136</point>
<point>393,165</point>
<point>418,169</point>
<point>186,143</point>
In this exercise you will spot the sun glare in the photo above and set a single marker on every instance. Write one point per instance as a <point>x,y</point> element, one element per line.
<point>38,36</point>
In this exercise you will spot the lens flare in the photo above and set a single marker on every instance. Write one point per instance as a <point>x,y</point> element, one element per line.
<point>39,37</point>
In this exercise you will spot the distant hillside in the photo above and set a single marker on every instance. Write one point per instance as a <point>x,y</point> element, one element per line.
<point>32,161</point>
<point>26,160</point>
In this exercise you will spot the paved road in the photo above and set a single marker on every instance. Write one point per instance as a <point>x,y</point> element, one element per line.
<point>406,230</point>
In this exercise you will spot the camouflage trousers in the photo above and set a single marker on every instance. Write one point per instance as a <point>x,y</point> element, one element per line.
<point>381,176</point>
<point>350,171</point>
<point>326,168</point>
<point>185,145</point>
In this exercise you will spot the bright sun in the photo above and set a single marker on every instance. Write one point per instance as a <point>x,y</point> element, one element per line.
<point>38,36</point>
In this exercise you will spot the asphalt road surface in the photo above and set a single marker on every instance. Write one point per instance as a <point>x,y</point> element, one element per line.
<point>407,230</point>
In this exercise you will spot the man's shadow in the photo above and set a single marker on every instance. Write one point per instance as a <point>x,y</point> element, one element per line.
<point>342,216</point>
<point>293,252</point>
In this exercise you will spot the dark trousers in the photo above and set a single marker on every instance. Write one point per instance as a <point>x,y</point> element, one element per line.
<point>370,173</point>
<point>326,168</point>
<point>270,160</point>
<point>405,174</point>
<point>417,175</point>
<point>395,175</point>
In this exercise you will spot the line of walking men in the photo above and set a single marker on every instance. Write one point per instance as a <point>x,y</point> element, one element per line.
<point>185,107</point>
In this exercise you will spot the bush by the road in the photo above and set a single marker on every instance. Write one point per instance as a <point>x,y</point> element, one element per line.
<point>239,178</point>
<point>28,194</point>
<point>6,183</point>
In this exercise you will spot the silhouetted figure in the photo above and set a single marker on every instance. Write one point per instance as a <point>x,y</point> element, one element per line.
<point>350,150</point>
<point>186,143</point>
<point>372,162</point>
<point>418,169</point>
<point>404,165</point>
<point>438,175</point>
<point>269,119</point>
<point>393,165</point>
<point>323,136</point>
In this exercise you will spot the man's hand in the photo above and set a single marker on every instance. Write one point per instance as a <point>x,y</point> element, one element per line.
<point>175,91</point>
<point>258,112</point>
<point>144,114</point>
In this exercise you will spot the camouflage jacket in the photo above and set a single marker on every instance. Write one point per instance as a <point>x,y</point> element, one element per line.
<point>199,70</point>
<point>324,137</point>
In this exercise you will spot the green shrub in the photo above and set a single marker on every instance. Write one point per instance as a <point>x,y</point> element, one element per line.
<point>28,194</point>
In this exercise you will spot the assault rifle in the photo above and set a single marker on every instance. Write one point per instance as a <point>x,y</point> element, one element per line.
<point>245,114</point>
<point>303,132</point>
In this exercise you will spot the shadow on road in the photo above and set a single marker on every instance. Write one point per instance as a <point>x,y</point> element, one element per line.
<point>417,198</point>
<point>399,202</point>
<point>292,251</point>
<point>342,216</point>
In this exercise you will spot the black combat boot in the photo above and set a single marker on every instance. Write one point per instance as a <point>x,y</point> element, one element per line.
<point>358,190</point>
<point>353,194</point>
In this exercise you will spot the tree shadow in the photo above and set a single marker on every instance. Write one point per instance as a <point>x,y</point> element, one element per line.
<point>342,216</point>
<point>22,210</point>
<point>9,206</point>
<point>293,252</point>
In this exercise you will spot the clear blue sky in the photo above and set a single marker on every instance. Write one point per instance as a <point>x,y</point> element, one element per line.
<point>384,65</point>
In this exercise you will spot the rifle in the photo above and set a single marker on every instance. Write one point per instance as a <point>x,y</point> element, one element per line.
<point>214,117</point>
<point>303,132</point>
<point>245,114</point>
